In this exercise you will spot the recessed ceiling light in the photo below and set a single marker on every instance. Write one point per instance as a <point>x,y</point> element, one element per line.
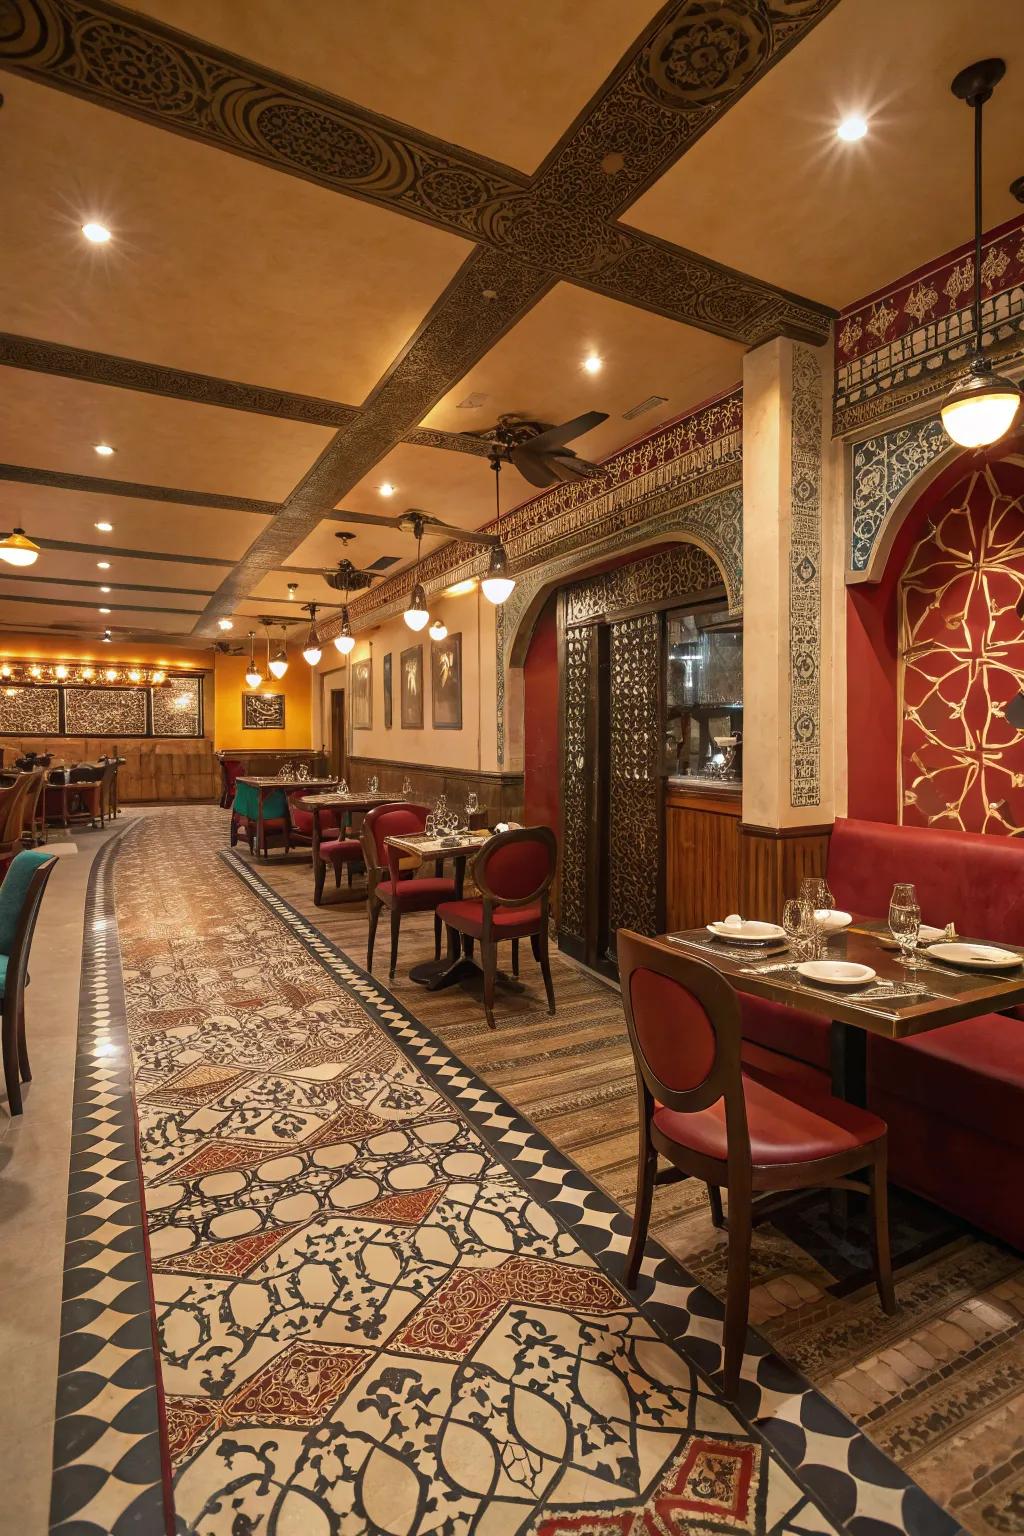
<point>225,624</point>
<point>104,589</point>
<point>104,610</point>
<point>96,234</point>
<point>103,449</point>
<point>104,527</point>
<point>103,565</point>
<point>593,363</point>
<point>387,489</point>
<point>852,128</point>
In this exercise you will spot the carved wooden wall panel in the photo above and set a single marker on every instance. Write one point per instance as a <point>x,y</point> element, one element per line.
<point>576,783</point>
<point>634,784</point>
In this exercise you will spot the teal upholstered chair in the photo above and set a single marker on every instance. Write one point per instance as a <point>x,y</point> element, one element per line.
<point>21,896</point>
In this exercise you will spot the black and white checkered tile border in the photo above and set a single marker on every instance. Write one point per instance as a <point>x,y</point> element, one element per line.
<point>844,1472</point>
<point>107,1457</point>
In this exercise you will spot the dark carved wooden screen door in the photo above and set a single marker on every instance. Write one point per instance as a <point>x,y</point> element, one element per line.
<point>611,785</point>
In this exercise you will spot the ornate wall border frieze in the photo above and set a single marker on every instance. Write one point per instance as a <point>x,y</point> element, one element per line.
<point>882,469</point>
<point>805,580</point>
<point>904,346</point>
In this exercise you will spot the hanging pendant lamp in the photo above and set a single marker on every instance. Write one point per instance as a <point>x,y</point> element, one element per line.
<point>979,409</point>
<point>254,676</point>
<point>312,651</point>
<point>345,640</point>
<point>18,549</point>
<point>417,615</point>
<point>497,585</point>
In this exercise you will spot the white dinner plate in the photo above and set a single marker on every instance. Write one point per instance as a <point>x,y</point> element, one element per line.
<point>974,957</point>
<point>750,932</point>
<point>838,973</point>
<point>831,921</point>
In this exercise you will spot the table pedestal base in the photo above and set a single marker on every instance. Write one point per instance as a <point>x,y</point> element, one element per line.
<point>452,971</point>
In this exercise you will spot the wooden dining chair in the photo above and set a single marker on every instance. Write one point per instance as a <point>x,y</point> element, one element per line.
<point>392,881</point>
<point>737,1128</point>
<point>33,821</point>
<point>513,873</point>
<point>21,895</point>
<point>12,818</point>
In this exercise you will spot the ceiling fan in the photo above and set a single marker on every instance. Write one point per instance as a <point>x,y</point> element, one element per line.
<point>539,450</point>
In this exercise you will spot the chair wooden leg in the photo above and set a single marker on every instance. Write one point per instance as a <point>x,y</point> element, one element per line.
<point>647,1167</point>
<point>515,957</point>
<point>396,923</point>
<point>737,1301</point>
<point>10,1055</point>
<point>715,1201</point>
<point>489,956</point>
<point>348,870</point>
<point>319,876</point>
<point>880,1254</point>
<point>337,877</point>
<point>375,907</point>
<point>467,945</point>
<point>535,945</point>
<point>437,937</point>
<point>23,1063</point>
<point>545,968</point>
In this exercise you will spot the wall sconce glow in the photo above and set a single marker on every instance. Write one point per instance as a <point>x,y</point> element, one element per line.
<point>593,363</point>
<point>35,672</point>
<point>462,587</point>
<point>96,234</point>
<point>387,489</point>
<point>279,664</point>
<point>110,674</point>
<point>498,585</point>
<point>158,677</point>
<point>438,630</point>
<point>88,674</point>
<point>104,527</point>
<point>105,451</point>
<point>17,549</point>
<point>225,624</point>
<point>61,672</point>
<point>135,676</point>
<point>416,615</point>
<point>851,129</point>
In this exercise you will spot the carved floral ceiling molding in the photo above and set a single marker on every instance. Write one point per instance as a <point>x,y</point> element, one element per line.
<point>903,347</point>
<point>684,465</point>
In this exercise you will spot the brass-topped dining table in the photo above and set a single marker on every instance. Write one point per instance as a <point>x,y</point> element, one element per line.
<point>455,967</point>
<point>256,790</point>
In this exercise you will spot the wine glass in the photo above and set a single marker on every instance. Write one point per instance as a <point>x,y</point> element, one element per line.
<point>374,785</point>
<point>905,922</point>
<point>800,927</point>
<point>406,786</point>
<point>430,825</point>
<point>343,787</point>
<point>472,806</point>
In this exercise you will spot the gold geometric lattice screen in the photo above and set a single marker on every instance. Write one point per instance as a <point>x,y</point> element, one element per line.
<point>176,708</point>
<point>105,711</point>
<point>29,711</point>
<point>961,659</point>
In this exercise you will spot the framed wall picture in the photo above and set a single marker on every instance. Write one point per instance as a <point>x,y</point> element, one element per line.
<point>387,691</point>
<point>362,694</point>
<point>411,681</point>
<point>262,711</point>
<point>446,683</point>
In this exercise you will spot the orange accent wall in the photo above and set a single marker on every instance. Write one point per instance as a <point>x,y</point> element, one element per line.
<point>229,687</point>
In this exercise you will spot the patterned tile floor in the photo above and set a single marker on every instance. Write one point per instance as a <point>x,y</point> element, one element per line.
<point>383,1301</point>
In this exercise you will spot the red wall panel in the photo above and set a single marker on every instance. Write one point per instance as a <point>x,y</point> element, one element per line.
<point>540,704</point>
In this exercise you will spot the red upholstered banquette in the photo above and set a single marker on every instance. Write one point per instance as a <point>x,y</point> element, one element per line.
<point>954,1097</point>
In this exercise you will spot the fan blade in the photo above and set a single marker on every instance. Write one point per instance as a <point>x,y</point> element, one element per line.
<point>341,516</point>
<point>532,469</point>
<point>557,437</point>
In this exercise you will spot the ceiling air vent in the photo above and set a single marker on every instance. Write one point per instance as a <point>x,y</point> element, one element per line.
<point>644,406</point>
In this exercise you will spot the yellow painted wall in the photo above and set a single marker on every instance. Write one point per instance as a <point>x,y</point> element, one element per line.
<point>230,685</point>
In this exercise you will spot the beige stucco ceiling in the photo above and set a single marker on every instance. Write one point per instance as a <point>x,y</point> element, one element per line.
<point>503,81</point>
<point>71,516</point>
<point>771,189</point>
<point>216,265</point>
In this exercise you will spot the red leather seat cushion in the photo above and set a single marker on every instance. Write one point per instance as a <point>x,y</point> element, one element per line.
<point>785,1029</point>
<point>415,895</point>
<point>341,850</point>
<point>789,1122</point>
<point>971,1073</point>
<point>509,922</point>
<point>302,821</point>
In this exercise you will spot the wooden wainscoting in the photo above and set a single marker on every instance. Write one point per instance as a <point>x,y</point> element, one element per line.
<point>155,768</point>
<point>500,794</point>
<point>702,856</point>
<point>773,861</point>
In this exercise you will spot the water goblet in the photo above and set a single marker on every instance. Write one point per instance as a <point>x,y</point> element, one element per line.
<point>374,785</point>
<point>905,922</point>
<point>343,787</point>
<point>800,927</point>
<point>406,786</point>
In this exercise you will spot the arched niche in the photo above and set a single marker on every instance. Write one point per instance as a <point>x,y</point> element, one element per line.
<point>714,525</point>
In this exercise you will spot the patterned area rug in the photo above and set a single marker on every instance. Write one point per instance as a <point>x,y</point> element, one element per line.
<point>383,1302</point>
<point>940,1387</point>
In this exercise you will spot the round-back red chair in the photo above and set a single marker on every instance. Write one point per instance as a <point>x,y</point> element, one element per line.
<point>391,875</point>
<point>513,873</point>
<point>732,1122</point>
<point>230,768</point>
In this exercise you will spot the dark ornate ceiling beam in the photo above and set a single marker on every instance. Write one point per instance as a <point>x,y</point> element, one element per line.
<point>164,556</point>
<point>99,485</point>
<point>683,73</point>
<point>177,383</point>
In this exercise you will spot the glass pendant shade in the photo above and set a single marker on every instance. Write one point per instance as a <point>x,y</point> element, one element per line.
<point>438,630</point>
<point>279,665</point>
<point>979,409</point>
<point>312,654</point>
<point>253,678</point>
<point>345,640</point>
<point>416,615</point>
<point>497,585</point>
<point>17,549</point>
